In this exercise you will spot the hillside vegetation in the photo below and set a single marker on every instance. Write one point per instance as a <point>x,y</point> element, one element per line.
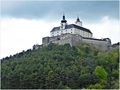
<point>61,67</point>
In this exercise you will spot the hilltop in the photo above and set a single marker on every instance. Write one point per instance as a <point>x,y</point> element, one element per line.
<point>61,67</point>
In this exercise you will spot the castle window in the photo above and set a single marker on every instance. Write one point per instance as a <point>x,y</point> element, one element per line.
<point>58,38</point>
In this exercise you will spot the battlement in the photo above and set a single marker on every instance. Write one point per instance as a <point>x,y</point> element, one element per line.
<point>75,39</point>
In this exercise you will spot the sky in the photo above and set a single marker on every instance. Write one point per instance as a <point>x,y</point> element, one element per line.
<point>23,23</point>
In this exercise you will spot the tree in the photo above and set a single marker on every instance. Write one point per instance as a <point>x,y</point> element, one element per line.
<point>61,67</point>
<point>101,73</point>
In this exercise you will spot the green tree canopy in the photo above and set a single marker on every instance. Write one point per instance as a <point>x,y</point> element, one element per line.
<point>61,67</point>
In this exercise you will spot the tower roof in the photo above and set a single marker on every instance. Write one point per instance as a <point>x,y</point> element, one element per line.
<point>78,20</point>
<point>63,21</point>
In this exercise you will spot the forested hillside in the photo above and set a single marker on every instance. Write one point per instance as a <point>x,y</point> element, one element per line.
<point>61,67</point>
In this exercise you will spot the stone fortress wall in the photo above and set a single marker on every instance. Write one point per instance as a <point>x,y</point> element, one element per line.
<point>75,39</point>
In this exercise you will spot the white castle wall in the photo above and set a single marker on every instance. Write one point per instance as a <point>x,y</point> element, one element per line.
<point>62,31</point>
<point>82,33</point>
<point>71,31</point>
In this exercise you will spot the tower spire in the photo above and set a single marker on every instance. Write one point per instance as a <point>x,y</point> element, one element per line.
<point>63,21</point>
<point>63,17</point>
<point>78,22</point>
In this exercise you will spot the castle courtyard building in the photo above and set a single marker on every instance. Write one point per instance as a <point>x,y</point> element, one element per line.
<point>75,34</point>
<point>71,28</point>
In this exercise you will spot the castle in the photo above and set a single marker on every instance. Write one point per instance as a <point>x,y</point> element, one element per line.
<point>74,34</point>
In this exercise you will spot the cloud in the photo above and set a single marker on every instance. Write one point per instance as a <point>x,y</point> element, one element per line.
<point>22,34</point>
<point>39,9</point>
<point>105,28</point>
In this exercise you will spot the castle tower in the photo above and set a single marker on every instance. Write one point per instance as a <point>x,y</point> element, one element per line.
<point>63,22</point>
<point>78,22</point>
